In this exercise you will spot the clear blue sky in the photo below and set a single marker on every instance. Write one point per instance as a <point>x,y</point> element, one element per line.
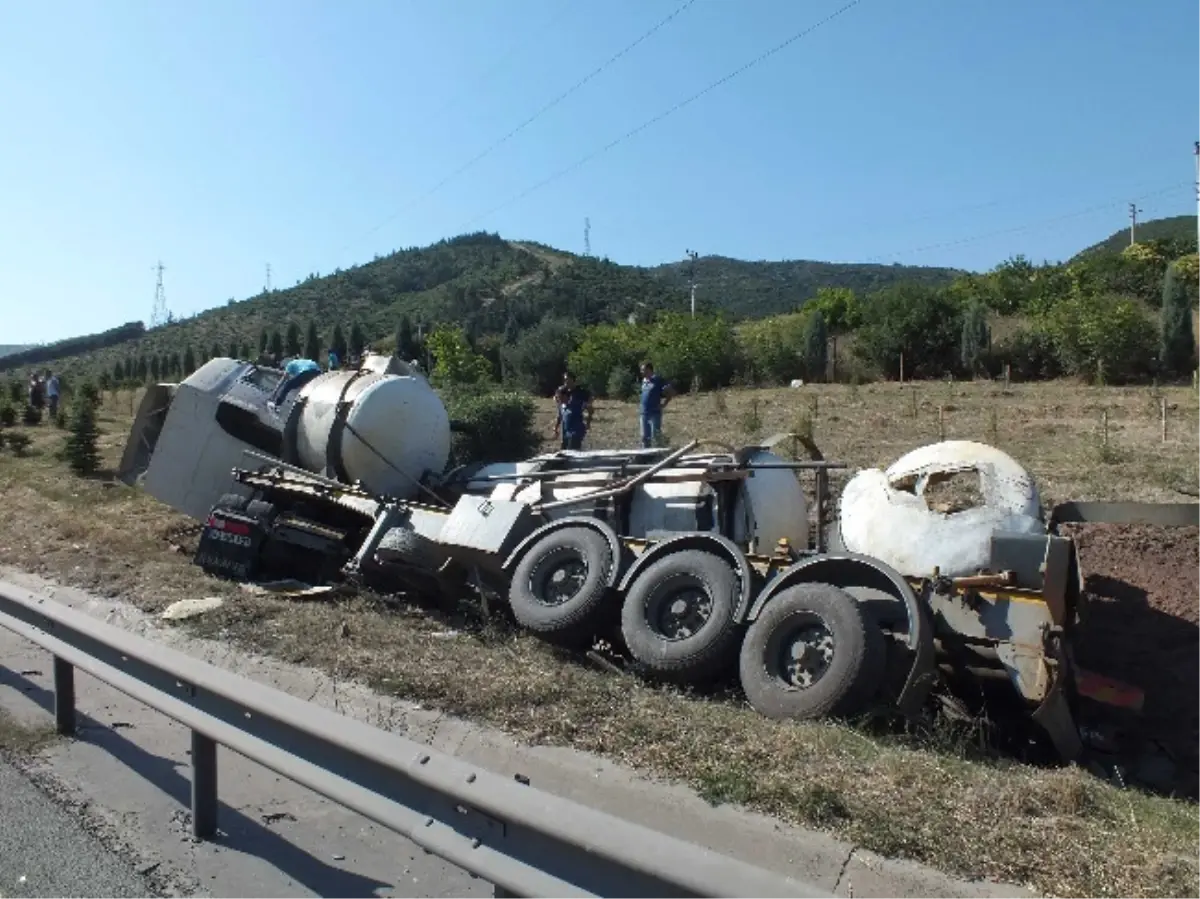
<point>220,136</point>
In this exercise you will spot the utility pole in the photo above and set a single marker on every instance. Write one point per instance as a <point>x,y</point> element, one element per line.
<point>1198,196</point>
<point>1133,214</point>
<point>692,257</point>
<point>159,314</point>
<point>587,237</point>
<point>267,289</point>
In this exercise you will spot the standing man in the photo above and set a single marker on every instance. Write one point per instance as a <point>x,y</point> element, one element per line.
<point>656,393</point>
<point>52,393</point>
<point>574,404</point>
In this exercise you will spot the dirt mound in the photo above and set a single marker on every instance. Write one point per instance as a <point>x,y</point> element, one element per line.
<point>1140,622</point>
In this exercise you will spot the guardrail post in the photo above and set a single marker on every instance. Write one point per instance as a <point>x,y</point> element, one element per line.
<point>204,786</point>
<point>64,696</point>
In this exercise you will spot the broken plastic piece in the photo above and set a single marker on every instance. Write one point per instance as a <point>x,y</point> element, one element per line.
<point>886,514</point>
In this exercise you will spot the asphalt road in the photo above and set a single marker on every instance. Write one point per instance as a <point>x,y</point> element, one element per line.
<point>45,852</point>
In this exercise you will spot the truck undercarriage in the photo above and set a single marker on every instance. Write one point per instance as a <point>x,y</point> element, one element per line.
<point>699,565</point>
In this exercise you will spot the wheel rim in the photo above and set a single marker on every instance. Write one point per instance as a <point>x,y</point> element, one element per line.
<point>680,613</point>
<point>801,654</point>
<point>558,579</point>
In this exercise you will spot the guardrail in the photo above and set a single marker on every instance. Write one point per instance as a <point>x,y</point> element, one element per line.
<point>523,841</point>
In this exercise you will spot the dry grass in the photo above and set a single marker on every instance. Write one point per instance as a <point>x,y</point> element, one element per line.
<point>1062,831</point>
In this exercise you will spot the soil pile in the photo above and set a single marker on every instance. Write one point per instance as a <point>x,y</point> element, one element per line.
<point>1139,624</point>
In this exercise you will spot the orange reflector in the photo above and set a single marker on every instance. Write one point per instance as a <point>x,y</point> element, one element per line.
<point>1109,691</point>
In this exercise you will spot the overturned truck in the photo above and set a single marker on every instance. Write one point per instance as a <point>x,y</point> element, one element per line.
<point>699,561</point>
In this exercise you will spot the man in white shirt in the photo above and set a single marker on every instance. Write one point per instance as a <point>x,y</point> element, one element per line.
<point>52,392</point>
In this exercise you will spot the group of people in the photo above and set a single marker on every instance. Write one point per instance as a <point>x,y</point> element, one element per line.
<point>574,407</point>
<point>44,392</point>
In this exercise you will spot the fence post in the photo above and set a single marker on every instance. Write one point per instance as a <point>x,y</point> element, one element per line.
<point>941,422</point>
<point>204,786</point>
<point>1104,428</point>
<point>64,697</point>
<point>1162,412</point>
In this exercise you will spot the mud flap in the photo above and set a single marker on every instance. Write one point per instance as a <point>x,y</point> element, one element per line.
<point>1054,715</point>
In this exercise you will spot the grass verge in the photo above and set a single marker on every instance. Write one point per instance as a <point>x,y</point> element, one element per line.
<point>1061,831</point>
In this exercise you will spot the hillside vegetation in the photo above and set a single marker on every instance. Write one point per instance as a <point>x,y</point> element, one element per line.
<point>481,309</point>
<point>1177,229</point>
<point>489,286</point>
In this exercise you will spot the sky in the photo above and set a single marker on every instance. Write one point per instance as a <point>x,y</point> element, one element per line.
<point>220,137</point>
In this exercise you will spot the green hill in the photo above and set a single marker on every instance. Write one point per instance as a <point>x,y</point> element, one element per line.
<point>1178,230</point>
<point>9,348</point>
<point>494,286</point>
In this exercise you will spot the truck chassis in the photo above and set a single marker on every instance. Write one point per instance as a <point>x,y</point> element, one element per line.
<point>811,631</point>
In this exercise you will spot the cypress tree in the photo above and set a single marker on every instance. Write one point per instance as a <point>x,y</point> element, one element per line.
<point>82,450</point>
<point>1178,342</point>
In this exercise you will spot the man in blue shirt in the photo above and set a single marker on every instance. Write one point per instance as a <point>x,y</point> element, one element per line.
<point>656,393</point>
<point>296,373</point>
<point>574,412</point>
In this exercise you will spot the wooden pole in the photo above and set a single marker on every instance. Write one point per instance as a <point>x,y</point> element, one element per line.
<point>901,368</point>
<point>1162,414</point>
<point>1007,375</point>
<point>1104,428</point>
<point>941,422</point>
<point>914,401</point>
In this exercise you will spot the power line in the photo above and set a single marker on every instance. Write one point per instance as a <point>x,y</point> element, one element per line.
<point>1028,226</point>
<point>763,57</point>
<point>495,67</point>
<point>495,145</point>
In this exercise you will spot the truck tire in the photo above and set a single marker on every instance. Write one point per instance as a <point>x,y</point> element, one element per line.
<point>559,588</point>
<point>678,616</point>
<point>812,652</point>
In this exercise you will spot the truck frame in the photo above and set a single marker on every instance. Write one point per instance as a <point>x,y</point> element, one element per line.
<point>812,631</point>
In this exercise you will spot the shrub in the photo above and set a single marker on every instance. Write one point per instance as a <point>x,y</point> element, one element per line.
<point>1103,338</point>
<point>620,383</point>
<point>18,443</point>
<point>32,415</point>
<point>494,426</point>
<point>81,450</point>
<point>921,324</point>
<point>8,415</point>
<point>1029,353</point>
<point>539,357</point>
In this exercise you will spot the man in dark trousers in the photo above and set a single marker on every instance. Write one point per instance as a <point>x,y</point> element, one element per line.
<point>574,406</point>
<point>656,393</point>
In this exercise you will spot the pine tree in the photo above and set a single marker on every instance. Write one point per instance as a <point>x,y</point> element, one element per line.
<point>1177,351</point>
<point>118,373</point>
<point>312,342</point>
<point>263,340</point>
<point>338,343</point>
<point>293,339</point>
<point>975,337</point>
<point>143,369</point>
<point>82,446</point>
<point>155,371</point>
<point>233,349</point>
<point>189,360</point>
<point>405,347</point>
<point>129,370</point>
<point>276,345</point>
<point>357,341</point>
<point>215,352</point>
<point>816,347</point>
